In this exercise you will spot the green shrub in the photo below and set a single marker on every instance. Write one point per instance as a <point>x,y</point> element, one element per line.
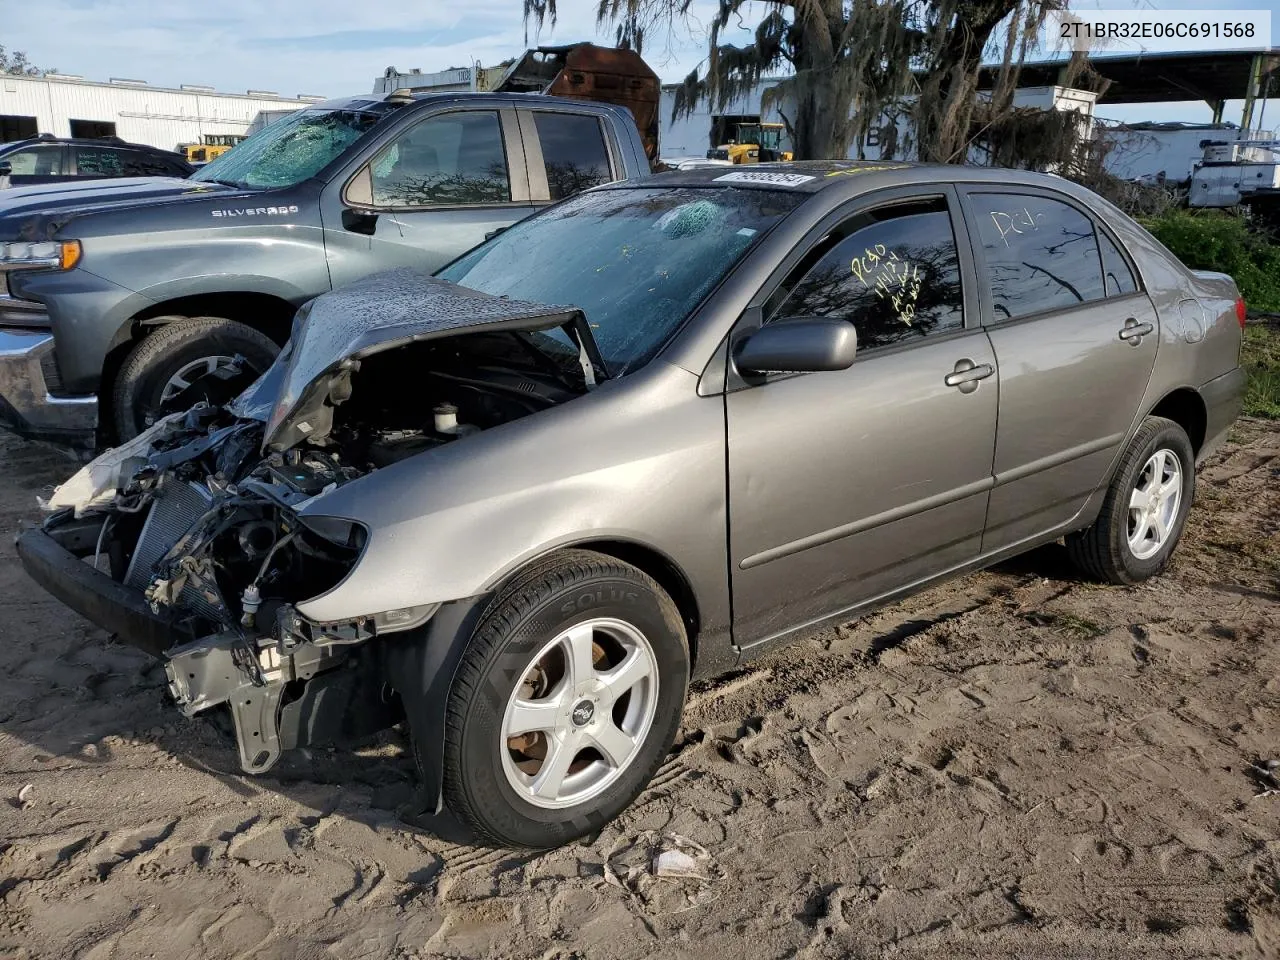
<point>1261,361</point>
<point>1213,240</point>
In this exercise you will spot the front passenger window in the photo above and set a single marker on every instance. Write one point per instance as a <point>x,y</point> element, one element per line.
<point>893,272</point>
<point>457,158</point>
<point>36,162</point>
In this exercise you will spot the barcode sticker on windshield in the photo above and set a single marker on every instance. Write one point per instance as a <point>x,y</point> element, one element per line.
<point>762,176</point>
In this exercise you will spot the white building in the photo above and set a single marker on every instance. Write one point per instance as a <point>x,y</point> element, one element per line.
<point>67,106</point>
<point>1168,152</point>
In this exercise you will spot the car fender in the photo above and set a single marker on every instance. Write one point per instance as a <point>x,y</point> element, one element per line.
<point>639,460</point>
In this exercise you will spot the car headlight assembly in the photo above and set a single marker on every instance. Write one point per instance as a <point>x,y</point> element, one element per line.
<point>340,532</point>
<point>43,255</point>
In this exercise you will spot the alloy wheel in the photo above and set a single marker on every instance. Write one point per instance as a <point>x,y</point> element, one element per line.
<point>580,713</point>
<point>1154,504</point>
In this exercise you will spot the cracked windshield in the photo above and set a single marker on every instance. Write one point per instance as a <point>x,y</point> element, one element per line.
<point>289,151</point>
<point>636,261</point>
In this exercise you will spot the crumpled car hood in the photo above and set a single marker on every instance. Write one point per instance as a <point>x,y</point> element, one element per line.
<point>378,313</point>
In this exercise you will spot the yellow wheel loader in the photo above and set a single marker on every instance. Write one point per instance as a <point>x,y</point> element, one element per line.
<point>753,143</point>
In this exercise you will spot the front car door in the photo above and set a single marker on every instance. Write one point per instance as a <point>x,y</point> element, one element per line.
<point>846,486</point>
<point>435,190</point>
<point>1075,338</point>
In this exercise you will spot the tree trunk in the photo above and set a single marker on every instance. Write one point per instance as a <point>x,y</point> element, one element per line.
<point>822,109</point>
<point>820,135</point>
<point>947,98</point>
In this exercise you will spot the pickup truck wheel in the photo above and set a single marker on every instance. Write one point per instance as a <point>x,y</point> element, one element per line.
<point>182,362</point>
<point>1145,508</point>
<point>565,702</point>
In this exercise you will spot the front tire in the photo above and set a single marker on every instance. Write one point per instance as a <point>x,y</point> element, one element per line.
<point>168,361</point>
<point>1145,509</point>
<point>565,703</point>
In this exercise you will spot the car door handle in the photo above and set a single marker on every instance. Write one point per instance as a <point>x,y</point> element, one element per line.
<point>1133,331</point>
<point>967,374</point>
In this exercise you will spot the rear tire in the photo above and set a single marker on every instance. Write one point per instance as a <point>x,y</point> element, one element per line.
<point>521,703</point>
<point>177,351</point>
<point>1145,509</point>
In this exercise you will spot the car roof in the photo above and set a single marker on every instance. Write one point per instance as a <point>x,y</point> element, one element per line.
<point>85,142</point>
<point>381,103</point>
<point>816,176</point>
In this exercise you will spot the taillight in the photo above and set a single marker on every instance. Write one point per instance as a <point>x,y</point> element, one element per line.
<point>1241,312</point>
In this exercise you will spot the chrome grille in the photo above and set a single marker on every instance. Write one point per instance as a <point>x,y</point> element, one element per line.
<point>174,511</point>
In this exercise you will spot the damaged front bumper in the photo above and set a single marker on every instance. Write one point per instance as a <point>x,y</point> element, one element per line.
<point>53,559</point>
<point>28,405</point>
<point>284,689</point>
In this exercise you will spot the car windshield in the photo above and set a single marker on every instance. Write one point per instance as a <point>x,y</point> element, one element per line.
<point>289,150</point>
<point>636,261</point>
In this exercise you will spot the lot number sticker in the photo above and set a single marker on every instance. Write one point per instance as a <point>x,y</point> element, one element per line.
<point>761,176</point>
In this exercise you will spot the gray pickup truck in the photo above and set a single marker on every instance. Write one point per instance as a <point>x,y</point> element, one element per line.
<point>122,301</point>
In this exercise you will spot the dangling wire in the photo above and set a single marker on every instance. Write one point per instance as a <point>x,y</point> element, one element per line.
<point>102,535</point>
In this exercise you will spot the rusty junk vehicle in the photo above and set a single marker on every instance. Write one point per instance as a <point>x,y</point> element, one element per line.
<point>639,438</point>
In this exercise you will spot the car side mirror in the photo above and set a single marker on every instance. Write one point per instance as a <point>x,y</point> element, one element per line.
<point>798,346</point>
<point>6,168</point>
<point>493,233</point>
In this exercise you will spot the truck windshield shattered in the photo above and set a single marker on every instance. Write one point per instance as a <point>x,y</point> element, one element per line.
<point>290,150</point>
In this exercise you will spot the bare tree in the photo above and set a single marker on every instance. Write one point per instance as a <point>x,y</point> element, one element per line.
<point>17,63</point>
<point>848,62</point>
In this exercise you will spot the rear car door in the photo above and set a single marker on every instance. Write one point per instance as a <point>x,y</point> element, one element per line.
<point>1075,337</point>
<point>440,187</point>
<point>568,153</point>
<point>845,486</point>
<point>41,163</point>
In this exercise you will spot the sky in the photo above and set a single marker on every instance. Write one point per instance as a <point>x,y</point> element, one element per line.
<point>336,47</point>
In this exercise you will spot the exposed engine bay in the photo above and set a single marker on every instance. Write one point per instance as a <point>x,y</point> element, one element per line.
<point>200,517</point>
<point>206,526</point>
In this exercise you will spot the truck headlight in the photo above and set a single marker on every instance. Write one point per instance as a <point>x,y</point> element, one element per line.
<point>48,255</point>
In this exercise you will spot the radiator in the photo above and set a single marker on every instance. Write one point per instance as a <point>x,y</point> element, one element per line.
<point>176,508</point>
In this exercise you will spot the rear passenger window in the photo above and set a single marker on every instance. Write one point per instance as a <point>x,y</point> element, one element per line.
<point>98,162</point>
<point>893,272</point>
<point>1040,254</point>
<point>574,152</point>
<point>1116,274</point>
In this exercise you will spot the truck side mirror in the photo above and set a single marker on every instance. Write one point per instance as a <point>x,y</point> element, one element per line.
<point>358,221</point>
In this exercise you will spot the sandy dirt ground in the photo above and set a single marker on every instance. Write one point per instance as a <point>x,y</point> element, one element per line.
<point>1017,764</point>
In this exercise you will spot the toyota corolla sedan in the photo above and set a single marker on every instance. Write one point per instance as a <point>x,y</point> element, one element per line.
<point>640,438</point>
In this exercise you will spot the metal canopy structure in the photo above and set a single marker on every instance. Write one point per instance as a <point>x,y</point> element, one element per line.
<point>1214,78</point>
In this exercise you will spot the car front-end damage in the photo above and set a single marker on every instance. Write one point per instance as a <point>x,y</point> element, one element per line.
<point>203,539</point>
